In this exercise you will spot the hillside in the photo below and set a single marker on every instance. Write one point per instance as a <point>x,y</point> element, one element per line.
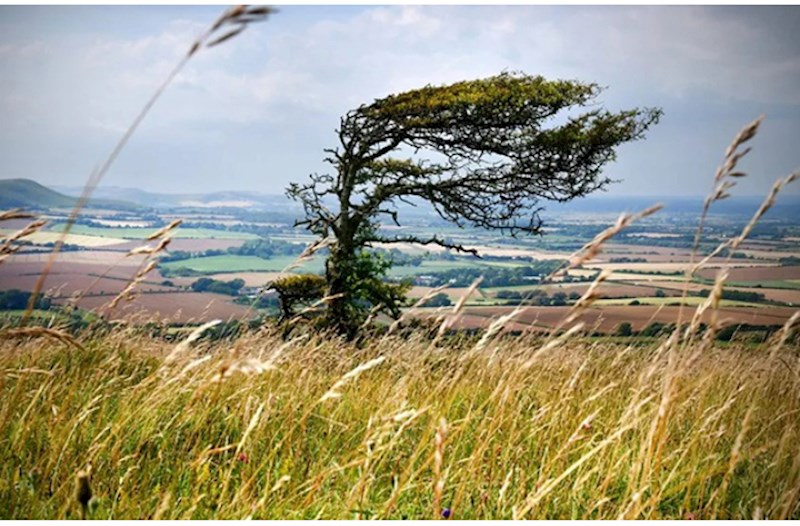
<point>25,193</point>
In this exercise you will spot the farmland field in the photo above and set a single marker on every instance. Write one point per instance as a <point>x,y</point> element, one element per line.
<point>607,319</point>
<point>756,273</point>
<point>232,263</point>
<point>173,307</point>
<point>73,238</point>
<point>691,300</point>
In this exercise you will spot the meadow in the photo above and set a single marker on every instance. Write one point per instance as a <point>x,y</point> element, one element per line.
<point>398,427</point>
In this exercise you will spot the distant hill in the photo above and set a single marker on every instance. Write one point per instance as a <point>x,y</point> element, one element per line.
<point>225,199</point>
<point>25,193</point>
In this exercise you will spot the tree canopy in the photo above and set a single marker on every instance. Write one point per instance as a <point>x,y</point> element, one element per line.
<point>482,152</point>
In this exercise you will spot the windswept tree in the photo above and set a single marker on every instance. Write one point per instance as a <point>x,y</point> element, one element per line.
<point>484,153</point>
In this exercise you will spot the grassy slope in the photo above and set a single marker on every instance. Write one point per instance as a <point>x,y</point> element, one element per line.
<point>583,432</point>
<point>25,193</point>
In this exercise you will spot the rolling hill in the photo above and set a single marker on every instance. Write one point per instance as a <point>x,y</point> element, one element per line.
<point>28,194</point>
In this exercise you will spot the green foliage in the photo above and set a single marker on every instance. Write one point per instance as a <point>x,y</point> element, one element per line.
<point>230,288</point>
<point>526,274</point>
<point>439,300</point>
<point>625,329</point>
<point>15,299</point>
<point>297,290</point>
<point>735,295</point>
<point>363,277</point>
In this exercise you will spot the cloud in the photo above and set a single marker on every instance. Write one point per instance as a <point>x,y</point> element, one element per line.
<point>282,85</point>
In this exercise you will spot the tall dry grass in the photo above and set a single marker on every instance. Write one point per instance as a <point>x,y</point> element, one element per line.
<point>317,427</point>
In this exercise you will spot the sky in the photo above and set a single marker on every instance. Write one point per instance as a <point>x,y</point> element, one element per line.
<point>256,113</point>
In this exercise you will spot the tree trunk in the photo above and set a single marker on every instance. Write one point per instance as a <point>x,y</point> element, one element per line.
<point>340,313</point>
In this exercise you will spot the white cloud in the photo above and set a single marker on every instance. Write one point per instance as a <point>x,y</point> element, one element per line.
<point>293,79</point>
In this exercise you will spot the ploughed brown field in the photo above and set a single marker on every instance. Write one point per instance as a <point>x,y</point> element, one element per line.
<point>607,319</point>
<point>73,272</point>
<point>755,273</point>
<point>176,307</point>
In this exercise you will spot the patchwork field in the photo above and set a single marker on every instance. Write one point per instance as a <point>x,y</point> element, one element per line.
<point>180,307</point>
<point>607,319</point>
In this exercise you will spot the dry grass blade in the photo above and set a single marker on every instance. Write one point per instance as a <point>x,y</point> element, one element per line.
<point>334,391</point>
<point>194,336</point>
<point>36,332</point>
<point>438,462</point>
<point>166,230</point>
<point>419,303</point>
<point>457,309</point>
<point>7,246</point>
<point>16,213</point>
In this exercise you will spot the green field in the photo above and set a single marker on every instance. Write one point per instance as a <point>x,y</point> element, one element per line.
<point>441,265</point>
<point>142,233</point>
<point>232,263</point>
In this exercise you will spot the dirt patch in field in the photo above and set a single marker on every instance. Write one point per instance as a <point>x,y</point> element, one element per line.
<point>179,307</point>
<point>761,273</point>
<point>67,277</point>
<point>607,319</point>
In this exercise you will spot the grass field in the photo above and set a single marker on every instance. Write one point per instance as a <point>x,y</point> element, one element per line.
<point>397,428</point>
<point>231,263</point>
